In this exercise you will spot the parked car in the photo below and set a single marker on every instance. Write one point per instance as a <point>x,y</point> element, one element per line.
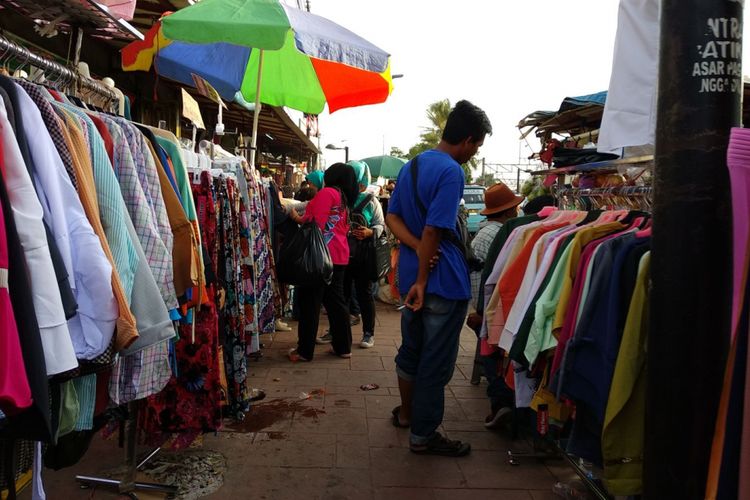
<point>474,203</point>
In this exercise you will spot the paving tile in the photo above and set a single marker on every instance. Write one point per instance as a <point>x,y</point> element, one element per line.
<point>382,434</point>
<point>332,421</point>
<point>361,377</point>
<point>281,483</point>
<point>543,495</point>
<point>314,377</point>
<point>352,452</point>
<point>389,363</point>
<point>366,363</point>
<point>404,494</point>
<point>490,469</point>
<point>483,440</point>
<point>463,425</point>
<point>470,494</point>
<point>283,450</point>
<point>400,467</point>
<point>354,390</point>
<point>345,401</point>
<point>341,444</point>
<point>381,406</point>
<point>470,392</point>
<point>383,348</point>
<point>474,409</point>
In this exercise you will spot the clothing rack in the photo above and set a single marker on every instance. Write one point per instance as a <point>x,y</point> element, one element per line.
<point>66,76</point>
<point>630,197</point>
<point>556,449</point>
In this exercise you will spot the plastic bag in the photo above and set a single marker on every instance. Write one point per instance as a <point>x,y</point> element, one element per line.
<point>305,260</point>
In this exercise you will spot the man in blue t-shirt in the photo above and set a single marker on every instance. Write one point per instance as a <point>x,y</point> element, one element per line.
<point>423,218</point>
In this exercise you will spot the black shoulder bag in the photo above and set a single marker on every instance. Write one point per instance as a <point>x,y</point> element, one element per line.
<point>462,243</point>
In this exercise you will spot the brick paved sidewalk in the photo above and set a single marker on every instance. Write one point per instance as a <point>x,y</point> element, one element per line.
<point>340,444</point>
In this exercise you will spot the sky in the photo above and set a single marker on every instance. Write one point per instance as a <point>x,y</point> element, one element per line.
<point>508,57</point>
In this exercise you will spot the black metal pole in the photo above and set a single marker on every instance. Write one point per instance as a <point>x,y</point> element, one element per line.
<point>699,100</point>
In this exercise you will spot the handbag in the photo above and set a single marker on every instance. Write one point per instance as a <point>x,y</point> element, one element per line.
<point>305,260</point>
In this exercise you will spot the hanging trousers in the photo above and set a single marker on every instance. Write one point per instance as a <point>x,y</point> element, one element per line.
<point>337,306</point>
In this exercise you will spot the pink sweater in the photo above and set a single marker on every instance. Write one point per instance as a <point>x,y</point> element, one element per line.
<point>326,210</point>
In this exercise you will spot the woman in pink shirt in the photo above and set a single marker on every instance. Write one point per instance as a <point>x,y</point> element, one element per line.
<point>330,211</point>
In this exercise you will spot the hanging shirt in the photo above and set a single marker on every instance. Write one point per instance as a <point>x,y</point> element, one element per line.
<point>480,245</point>
<point>158,256</point>
<point>440,188</point>
<point>15,393</point>
<point>330,216</point>
<point>630,111</point>
<point>126,324</point>
<point>54,126</point>
<point>28,214</point>
<point>626,404</point>
<point>111,205</point>
<point>92,328</point>
<point>35,422</point>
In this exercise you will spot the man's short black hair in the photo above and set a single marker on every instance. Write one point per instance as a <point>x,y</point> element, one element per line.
<point>466,121</point>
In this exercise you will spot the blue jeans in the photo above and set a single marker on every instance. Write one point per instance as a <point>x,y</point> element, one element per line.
<point>427,357</point>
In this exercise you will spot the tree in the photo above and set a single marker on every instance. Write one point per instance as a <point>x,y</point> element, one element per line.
<point>485,180</point>
<point>437,114</point>
<point>397,152</point>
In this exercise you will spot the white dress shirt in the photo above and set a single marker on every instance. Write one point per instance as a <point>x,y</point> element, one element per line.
<point>92,328</point>
<point>59,355</point>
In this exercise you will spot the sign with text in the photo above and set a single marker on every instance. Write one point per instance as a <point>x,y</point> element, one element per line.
<point>191,111</point>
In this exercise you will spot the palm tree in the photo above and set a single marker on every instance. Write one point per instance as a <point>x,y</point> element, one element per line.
<point>437,114</point>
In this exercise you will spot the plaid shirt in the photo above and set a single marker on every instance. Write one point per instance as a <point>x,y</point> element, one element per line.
<point>141,374</point>
<point>148,176</point>
<point>481,247</point>
<point>158,255</point>
<point>112,208</point>
<point>54,126</point>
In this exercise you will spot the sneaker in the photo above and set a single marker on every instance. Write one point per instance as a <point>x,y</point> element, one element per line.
<point>368,341</point>
<point>440,445</point>
<point>280,326</point>
<point>494,419</point>
<point>325,339</point>
<point>355,319</point>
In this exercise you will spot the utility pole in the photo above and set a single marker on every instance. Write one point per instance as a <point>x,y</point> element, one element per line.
<point>691,265</point>
<point>483,165</point>
<point>518,179</point>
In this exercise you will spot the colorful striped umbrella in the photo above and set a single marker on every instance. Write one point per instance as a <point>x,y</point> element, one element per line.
<point>303,61</point>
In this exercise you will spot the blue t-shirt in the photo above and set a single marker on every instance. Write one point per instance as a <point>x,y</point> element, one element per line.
<point>440,187</point>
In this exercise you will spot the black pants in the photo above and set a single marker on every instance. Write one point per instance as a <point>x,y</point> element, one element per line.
<point>363,288</point>
<point>337,306</point>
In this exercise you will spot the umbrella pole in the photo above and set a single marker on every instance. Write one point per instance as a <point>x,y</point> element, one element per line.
<point>256,112</point>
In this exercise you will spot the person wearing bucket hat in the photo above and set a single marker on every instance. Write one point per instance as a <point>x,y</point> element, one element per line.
<point>500,204</point>
<point>499,199</point>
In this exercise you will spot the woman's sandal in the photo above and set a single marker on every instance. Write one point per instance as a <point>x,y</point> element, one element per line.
<point>345,356</point>
<point>294,356</point>
<point>397,421</point>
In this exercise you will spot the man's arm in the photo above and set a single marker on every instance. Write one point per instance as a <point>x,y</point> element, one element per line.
<point>402,233</point>
<point>426,251</point>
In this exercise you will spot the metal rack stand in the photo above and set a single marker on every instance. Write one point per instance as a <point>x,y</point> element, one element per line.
<point>128,485</point>
<point>67,76</point>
